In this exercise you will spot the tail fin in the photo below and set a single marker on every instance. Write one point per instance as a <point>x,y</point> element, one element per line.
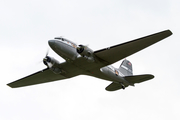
<point>126,68</point>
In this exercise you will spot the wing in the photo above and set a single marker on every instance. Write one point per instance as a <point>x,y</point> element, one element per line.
<point>131,79</point>
<point>43,76</point>
<point>118,52</point>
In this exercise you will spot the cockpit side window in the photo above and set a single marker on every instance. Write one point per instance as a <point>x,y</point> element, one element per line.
<point>59,38</point>
<point>66,41</point>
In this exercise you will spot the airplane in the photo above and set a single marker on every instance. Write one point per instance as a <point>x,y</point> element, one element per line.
<point>81,60</point>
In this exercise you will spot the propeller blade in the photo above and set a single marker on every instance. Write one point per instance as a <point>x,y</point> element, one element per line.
<point>47,53</point>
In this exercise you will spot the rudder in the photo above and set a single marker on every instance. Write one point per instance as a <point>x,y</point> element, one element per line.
<point>126,68</point>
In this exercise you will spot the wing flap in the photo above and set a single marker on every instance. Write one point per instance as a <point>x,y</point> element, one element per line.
<point>118,52</point>
<point>43,76</point>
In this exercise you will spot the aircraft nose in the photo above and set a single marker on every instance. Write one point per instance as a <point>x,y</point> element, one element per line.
<point>51,43</point>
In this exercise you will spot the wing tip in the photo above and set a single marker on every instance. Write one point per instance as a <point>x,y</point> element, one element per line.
<point>169,31</point>
<point>10,85</point>
<point>151,76</point>
<point>13,85</point>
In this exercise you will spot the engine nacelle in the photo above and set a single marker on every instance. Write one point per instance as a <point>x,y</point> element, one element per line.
<point>52,64</point>
<point>85,52</point>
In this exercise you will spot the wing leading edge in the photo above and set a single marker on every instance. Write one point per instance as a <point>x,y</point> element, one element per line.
<point>118,52</point>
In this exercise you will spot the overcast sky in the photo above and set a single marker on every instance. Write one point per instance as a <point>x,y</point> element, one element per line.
<point>26,27</point>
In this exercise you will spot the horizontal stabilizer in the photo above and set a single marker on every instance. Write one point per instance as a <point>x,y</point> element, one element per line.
<point>113,87</point>
<point>138,78</point>
<point>131,79</point>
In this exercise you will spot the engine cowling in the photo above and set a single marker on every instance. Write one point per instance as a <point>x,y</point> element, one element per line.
<point>85,52</point>
<point>52,64</point>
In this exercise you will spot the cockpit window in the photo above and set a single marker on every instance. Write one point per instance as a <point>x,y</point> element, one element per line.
<point>59,38</point>
<point>66,41</point>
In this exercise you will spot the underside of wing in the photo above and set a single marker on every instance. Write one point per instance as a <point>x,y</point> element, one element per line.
<point>118,52</point>
<point>43,76</point>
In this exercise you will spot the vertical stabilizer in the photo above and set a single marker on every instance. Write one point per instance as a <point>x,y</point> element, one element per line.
<point>126,68</point>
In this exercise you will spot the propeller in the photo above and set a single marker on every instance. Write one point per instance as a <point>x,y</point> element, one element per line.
<point>47,52</point>
<point>47,60</point>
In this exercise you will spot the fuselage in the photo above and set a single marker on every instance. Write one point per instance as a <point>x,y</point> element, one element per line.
<point>68,50</point>
<point>65,48</point>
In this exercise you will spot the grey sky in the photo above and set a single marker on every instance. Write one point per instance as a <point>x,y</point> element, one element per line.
<point>26,27</point>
